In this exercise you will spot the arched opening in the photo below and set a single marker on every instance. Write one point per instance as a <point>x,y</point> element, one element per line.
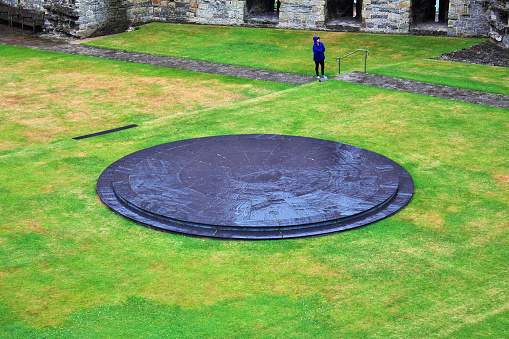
<point>429,17</point>
<point>262,11</point>
<point>345,15</point>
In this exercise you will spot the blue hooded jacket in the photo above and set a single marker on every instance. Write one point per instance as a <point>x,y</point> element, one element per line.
<point>318,50</point>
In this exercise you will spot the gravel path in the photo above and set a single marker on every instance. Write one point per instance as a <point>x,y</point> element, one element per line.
<point>438,91</point>
<point>185,64</point>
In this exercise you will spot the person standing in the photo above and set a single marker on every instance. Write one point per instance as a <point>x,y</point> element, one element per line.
<point>318,55</point>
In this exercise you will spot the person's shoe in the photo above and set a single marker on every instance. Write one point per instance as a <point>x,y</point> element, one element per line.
<point>318,77</point>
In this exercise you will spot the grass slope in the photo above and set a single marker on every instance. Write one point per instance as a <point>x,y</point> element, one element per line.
<point>70,267</point>
<point>279,49</point>
<point>402,56</point>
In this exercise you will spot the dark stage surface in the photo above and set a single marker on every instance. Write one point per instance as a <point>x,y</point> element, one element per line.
<point>255,187</point>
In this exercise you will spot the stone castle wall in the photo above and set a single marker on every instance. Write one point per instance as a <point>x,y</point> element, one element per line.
<point>84,18</point>
<point>380,16</point>
<point>498,13</point>
<point>468,18</point>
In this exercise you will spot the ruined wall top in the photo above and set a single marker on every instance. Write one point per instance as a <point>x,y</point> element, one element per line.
<point>84,18</point>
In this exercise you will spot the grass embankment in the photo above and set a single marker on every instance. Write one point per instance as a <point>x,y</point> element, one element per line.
<point>70,267</point>
<point>402,56</point>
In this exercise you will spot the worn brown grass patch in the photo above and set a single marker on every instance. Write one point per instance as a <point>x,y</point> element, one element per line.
<point>432,220</point>
<point>67,102</point>
<point>274,275</point>
<point>502,178</point>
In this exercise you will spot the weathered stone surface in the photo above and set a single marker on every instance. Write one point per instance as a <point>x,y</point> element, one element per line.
<point>98,17</point>
<point>404,4</point>
<point>498,12</point>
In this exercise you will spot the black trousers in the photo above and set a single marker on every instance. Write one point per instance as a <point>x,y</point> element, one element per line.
<point>321,63</point>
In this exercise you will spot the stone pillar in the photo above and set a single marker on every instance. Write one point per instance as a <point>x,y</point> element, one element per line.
<point>386,16</point>
<point>467,18</point>
<point>302,14</point>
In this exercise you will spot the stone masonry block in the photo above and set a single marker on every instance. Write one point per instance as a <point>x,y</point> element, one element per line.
<point>393,17</point>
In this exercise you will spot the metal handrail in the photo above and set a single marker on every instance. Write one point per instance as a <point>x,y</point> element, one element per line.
<point>366,53</point>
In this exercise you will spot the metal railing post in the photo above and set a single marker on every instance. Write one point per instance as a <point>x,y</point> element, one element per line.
<point>365,60</point>
<point>366,53</point>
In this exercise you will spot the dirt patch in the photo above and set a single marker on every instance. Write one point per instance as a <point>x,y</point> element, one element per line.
<point>486,53</point>
<point>502,178</point>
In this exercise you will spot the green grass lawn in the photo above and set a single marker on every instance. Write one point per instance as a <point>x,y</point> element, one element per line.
<point>286,50</point>
<point>49,96</point>
<point>402,56</point>
<point>72,268</point>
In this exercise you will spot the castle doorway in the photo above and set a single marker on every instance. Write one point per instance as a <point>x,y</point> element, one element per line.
<point>344,15</point>
<point>262,11</point>
<point>429,17</point>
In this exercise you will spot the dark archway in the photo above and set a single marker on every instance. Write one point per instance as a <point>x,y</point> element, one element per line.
<point>429,17</point>
<point>345,15</point>
<point>262,11</point>
<point>423,11</point>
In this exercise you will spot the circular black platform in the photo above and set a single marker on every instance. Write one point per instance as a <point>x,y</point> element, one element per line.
<point>255,187</point>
